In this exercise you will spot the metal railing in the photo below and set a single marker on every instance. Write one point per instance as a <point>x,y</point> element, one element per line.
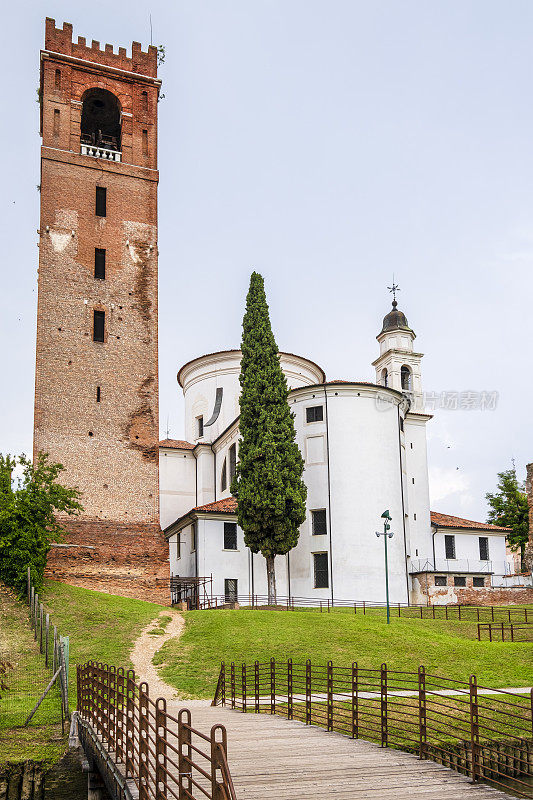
<point>96,151</point>
<point>476,565</point>
<point>163,754</point>
<point>458,611</point>
<point>506,632</point>
<point>481,732</point>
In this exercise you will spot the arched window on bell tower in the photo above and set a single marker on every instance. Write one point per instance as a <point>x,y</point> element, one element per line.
<point>100,119</point>
<point>384,377</point>
<point>406,379</point>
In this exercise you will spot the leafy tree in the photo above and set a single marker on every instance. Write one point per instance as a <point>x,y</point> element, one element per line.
<point>268,482</point>
<point>508,507</point>
<point>28,524</point>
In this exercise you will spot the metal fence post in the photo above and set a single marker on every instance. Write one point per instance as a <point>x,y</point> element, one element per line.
<point>308,692</point>
<point>223,683</point>
<point>330,695</point>
<point>233,684</point>
<point>160,748</point>
<point>256,686</point>
<point>272,686</point>
<point>219,753</point>
<point>422,717</point>
<point>144,793</point>
<point>290,713</point>
<point>474,728</point>
<point>243,687</point>
<point>185,753</point>
<point>355,701</point>
<point>28,586</point>
<point>130,723</point>
<point>46,638</point>
<point>121,714</point>
<point>34,613</point>
<point>383,684</point>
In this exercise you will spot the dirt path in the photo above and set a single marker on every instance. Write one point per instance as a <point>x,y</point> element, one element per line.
<point>147,646</point>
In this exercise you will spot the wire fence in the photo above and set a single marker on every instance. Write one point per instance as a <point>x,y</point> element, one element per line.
<point>34,675</point>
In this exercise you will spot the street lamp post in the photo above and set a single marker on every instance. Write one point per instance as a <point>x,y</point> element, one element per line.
<point>387,534</point>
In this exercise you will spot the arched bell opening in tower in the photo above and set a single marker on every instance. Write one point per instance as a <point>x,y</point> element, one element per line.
<point>100,119</point>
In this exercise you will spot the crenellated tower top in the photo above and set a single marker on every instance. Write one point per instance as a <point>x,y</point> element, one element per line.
<point>59,40</point>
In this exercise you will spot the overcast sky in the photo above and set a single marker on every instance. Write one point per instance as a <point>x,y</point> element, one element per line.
<point>326,145</point>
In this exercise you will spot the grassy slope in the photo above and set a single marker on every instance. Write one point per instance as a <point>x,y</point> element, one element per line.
<point>102,627</point>
<point>445,648</point>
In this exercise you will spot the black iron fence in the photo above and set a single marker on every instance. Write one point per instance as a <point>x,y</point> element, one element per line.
<point>162,754</point>
<point>505,632</point>
<point>481,732</point>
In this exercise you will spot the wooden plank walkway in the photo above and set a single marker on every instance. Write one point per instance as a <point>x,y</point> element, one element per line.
<point>272,758</point>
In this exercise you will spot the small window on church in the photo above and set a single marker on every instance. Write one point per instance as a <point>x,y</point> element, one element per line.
<point>101,199</point>
<point>144,101</point>
<point>178,545</point>
<point>384,378</point>
<point>58,79</point>
<point>199,427</point>
<point>459,580</point>
<point>193,537</point>
<point>56,122</point>
<point>99,326</point>
<point>99,263</point>
<point>406,379</point>
<point>449,546</point>
<point>319,522</point>
<point>483,548</point>
<point>478,582</point>
<point>98,394</point>
<point>314,414</point>
<point>224,478</point>
<point>232,461</point>
<point>440,580</point>
<point>231,594</point>
<point>230,536</point>
<point>145,143</point>
<point>321,570</point>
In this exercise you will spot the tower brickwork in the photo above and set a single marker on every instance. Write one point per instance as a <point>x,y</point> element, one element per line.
<point>96,391</point>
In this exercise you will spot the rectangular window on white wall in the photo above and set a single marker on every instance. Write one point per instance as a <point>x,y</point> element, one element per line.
<point>178,545</point>
<point>319,524</point>
<point>194,530</point>
<point>199,427</point>
<point>484,548</point>
<point>230,590</point>
<point>449,546</point>
<point>230,536</point>
<point>314,414</point>
<point>232,455</point>
<point>321,572</point>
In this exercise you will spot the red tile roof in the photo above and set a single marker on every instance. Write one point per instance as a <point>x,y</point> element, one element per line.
<point>227,506</point>
<point>447,521</point>
<point>176,444</point>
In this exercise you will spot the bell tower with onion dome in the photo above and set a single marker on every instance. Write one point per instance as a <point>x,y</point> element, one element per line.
<point>398,365</point>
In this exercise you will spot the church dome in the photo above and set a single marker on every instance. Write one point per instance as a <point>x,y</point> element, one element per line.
<point>395,320</point>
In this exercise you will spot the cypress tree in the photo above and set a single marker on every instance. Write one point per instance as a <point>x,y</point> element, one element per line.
<point>268,482</point>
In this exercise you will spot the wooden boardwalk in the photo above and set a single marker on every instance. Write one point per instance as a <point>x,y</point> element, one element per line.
<point>272,758</point>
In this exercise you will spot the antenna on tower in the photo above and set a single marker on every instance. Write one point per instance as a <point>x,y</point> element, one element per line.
<point>394,288</point>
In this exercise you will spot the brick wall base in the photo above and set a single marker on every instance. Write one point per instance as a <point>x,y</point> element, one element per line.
<point>468,595</point>
<point>130,560</point>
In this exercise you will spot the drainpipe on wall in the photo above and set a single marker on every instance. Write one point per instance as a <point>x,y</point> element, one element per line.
<point>329,493</point>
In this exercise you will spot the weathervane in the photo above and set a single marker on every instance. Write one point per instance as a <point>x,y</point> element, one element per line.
<point>394,288</point>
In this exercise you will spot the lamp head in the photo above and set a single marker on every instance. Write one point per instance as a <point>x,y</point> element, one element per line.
<point>386,515</point>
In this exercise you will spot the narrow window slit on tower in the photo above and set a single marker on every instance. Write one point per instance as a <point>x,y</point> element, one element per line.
<point>144,101</point>
<point>58,79</point>
<point>145,143</point>
<point>101,201</point>
<point>99,326</point>
<point>56,122</point>
<point>98,394</point>
<point>99,263</point>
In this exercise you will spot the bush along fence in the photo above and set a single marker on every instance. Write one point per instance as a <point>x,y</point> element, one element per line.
<point>481,732</point>
<point>160,754</point>
<point>470,613</point>
<point>54,648</point>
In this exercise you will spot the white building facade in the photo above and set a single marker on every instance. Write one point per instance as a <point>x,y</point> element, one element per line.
<point>364,447</point>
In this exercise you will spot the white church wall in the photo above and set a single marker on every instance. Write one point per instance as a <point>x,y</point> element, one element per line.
<point>205,465</point>
<point>184,564</point>
<point>418,492</point>
<point>177,480</point>
<point>222,454</point>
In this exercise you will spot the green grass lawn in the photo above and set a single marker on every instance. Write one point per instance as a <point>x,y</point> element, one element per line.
<point>102,627</point>
<point>444,648</point>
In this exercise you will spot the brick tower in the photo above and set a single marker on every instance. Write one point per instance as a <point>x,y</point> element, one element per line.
<point>96,389</point>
